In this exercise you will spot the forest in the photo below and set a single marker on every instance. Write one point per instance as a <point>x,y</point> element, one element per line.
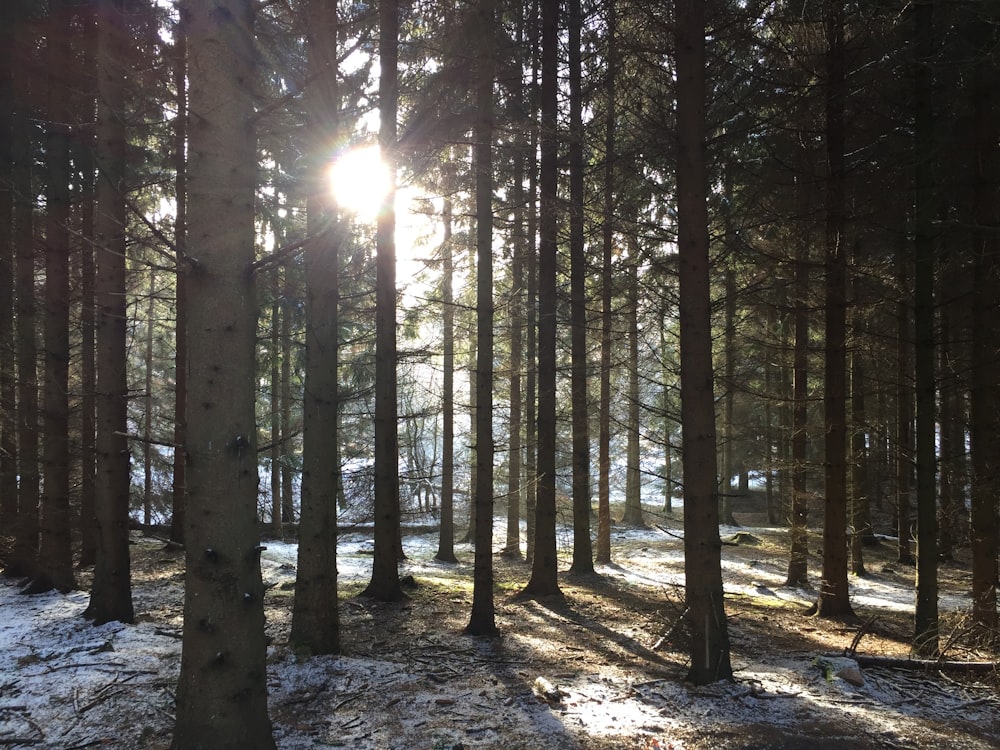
<point>511,338</point>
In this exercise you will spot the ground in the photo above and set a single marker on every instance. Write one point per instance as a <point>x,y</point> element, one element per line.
<point>601,667</point>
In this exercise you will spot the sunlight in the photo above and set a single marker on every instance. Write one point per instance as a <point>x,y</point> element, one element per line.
<point>360,180</point>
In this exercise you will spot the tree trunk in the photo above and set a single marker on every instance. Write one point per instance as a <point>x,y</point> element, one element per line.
<point>384,584</point>
<point>111,594</point>
<point>544,565</point>
<point>728,380</point>
<point>709,644</point>
<point>904,418</point>
<point>222,689</point>
<point>482,620</point>
<point>607,278</point>
<point>798,558</point>
<point>984,406</point>
<point>275,411</point>
<point>8,382</point>
<point>55,558</point>
<point>147,423</point>
<point>446,538</point>
<point>24,555</point>
<point>315,614</point>
<point>179,488</point>
<point>834,599</point>
<point>583,555</point>
<point>926,611</point>
<point>633,476</point>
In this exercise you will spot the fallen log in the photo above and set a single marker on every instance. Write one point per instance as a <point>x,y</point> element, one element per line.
<point>926,665</point>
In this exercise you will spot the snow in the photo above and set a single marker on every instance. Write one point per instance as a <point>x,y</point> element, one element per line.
<point>66,684</point>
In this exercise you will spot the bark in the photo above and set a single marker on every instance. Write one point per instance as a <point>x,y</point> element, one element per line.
<point>55,561</point>
<point>315,614</point>
<point>147,424</point>
<point>728,380</point>
<point>583,556</point>
<point>8,391</point>
<point>709,644</point>
<point>984,407</point>
<point>798,558</point>
<point>544,565</point>
<point>111,594</point>
<point>446,538</point>
<point>275,375</point>
<point>531,301</point>
<point>179,483</point>
<point>834,599</point>
<point>633,478</point>
<point>23,557</point>
<point>904,419</point>
<point>926,610</point>
<point>482,620</point>
<point>222,689</point>
<point>384,585</point>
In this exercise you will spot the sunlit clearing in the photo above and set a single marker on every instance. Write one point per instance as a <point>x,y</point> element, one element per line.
<point>360,180</point>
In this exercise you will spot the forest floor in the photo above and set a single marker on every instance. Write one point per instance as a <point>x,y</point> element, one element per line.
<point>591,669</point>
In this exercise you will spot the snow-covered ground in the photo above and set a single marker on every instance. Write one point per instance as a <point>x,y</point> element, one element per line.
<point>66,684</point>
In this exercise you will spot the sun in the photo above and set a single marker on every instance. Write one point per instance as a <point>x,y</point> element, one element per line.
<point>360,181</point>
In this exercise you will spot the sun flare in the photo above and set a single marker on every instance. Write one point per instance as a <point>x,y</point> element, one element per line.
<point>360,180</point>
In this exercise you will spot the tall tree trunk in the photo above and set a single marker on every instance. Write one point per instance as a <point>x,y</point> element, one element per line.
<point>904,417</point>
<point>179,488</point>
<point>482,620</point>
<point>668,419</point>
<point>315,614</point>
<point>834,598</point>
<point>729,403</point>
<point>583,556</point>
<point>446,537</point>
<point>55,558</point>
<point>8,381</point>
<point>275,411</point>
<point>798,558</point>
<point>384,584</point>
<point>544,565</point>
<point>984,405</point>
<point>633,475</point>
<point>926,611</point>
<point>25,553</point>
<point>222,689</point>
<point>111,595</point>
<point>709,644</point>
<point>607,254</point>
<point>531,299</point>
<point>84,158</point>
<point>147,424</point>
<point>285,397</point>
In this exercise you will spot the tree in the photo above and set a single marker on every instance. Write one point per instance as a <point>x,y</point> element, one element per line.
<point>111,594</point>
<point>483,618</point>
<point>984,407</point>
<point>834,600</point>
<point>384,584</point>
<point>315,617</point>
<point>583,558</point>
<point>222,689</point>
<point>607,252</point>
<point>8,396</point>
<point>544,579</point>
<point>926,614</point>
<point>709,644</point>
<point>446,538</point>
<point>179,480</point>
<point>55,560</point>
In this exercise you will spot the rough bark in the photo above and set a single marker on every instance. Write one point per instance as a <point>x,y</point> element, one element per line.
<point>709,643</point>
<point>315,613</point>
<point>482,620</point>
<point>544,565</point>
<point>222,689</point>
<point>111,593</point>
<point>583,555</point>
<point>446,536</point>
<point>384,584</point>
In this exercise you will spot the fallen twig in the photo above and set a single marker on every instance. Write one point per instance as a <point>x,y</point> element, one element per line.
<point>927,665</point>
